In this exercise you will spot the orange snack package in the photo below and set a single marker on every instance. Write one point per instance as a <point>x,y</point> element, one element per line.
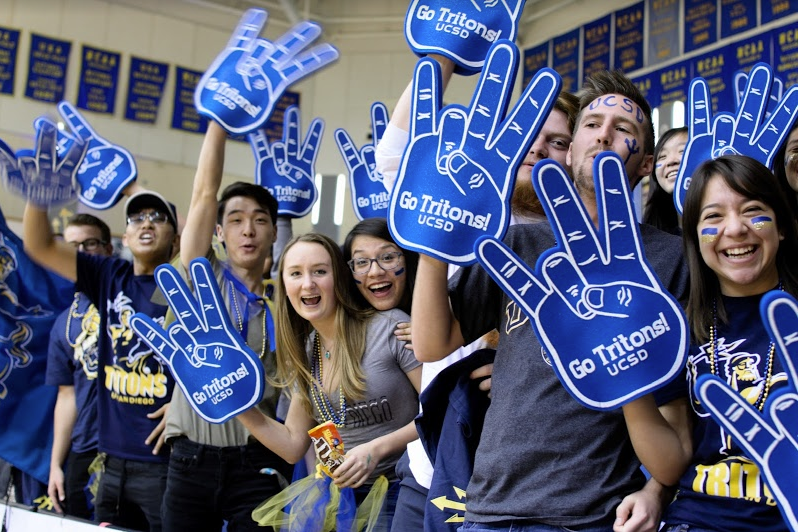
<point>328,445</point>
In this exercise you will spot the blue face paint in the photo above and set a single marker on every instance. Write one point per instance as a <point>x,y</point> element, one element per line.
<point>762,222</point>
<point>398,272</point>
<point>633,148</point>
<point>709,235</point>
<point>356,281</point>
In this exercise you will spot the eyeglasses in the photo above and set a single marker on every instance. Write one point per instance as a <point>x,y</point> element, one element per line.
<point>386,261</point>
<point>90,244</point>
<point>155,217</point>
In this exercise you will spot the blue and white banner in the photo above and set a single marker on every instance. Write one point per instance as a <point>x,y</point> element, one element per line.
<point>99,78</point>
<point>775,9</point>
<point>457,173</point>
<point>596,49</point>
<point>737,16</point>
<point>184,114</point>
<point>700,24</point>
<point>461,31</point>
<point>785,53</point>
<point>47,68</point>
<point>145,84</point>
<point>219,374</point>
<point>663,31</point>
<point>565,59</point>
<point>9,44</point>
<point>629,35</point>
<point>535,58</point>
<point>30,300</point>
<point>632,332</point>
<point>369,195</point>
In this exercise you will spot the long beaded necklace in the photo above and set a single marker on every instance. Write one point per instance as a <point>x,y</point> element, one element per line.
<point>240,319</point>
<point>713,332</point>
<point>320,399</point>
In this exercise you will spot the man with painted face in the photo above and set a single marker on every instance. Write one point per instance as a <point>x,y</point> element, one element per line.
<point>134,385</point>
<point>544,461</point>
<point>219,472</point>
<point>72,366</point>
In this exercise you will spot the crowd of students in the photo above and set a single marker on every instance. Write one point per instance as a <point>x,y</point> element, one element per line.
<point>351,335</point>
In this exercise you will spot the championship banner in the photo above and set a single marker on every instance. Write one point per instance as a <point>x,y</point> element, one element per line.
<point>461,31</point>
<point>736,16</point>
<point>650,87</point>
<point>712,67</point>
<point>565,59</point>
<point>596,48</point>
<point>47,68</point>
<point>9,44</point>
<point>663,31</point>
<point>145,85</point>
<point>785,54</point>
<point>184,114</point>
<point>775,9</point>
<point>700,24</point>
<point>535,58</point>
<point>99,78</point>
<point>273,127</point>
<point>629,34</point>
<point>632,333</point>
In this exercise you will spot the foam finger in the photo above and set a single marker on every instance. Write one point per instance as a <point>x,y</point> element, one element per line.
<point>347,148</point>
<point>426,98</point>
<point>260,144</point>
<point>778,126</point>
<point>310,148</point>
<point>307,63</point>
<point>154,336</point>
<point>248,29</point>
<point>294,41</point>
<point>179,297</point>
<point>379,121</point>
<point>491,97</point>
<point>780,316</point>
<point>699,108</point>
<point>214,313</point>
<point>754,103</point>
<point>566,280</point>
<point>77,123</point>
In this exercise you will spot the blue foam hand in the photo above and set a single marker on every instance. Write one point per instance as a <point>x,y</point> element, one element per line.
<point>107,168</point>
<point>286,168</point>
<point>219,374</point>
<point>369,197</point>
<point>41,176</point>
<point>776,91</point>
<point>746,132</point>
<point>770,440</point>
<point>457,173</point>
<point>632,333</point>
<point>463,34</point>
<point>241,87</point>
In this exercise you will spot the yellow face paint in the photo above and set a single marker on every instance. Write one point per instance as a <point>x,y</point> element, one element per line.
<point>762,222</point>
<point>709,235</point>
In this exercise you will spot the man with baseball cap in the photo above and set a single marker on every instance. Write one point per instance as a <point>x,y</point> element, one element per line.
<point>134,386</point>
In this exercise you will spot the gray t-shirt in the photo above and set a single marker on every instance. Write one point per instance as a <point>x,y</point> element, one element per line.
<point>542,456</point>
<point>182,420</point>
<point>390,401</point>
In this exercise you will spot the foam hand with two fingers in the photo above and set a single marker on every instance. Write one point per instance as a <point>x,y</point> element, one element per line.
<point>632,334</point>
<point>219,374</point>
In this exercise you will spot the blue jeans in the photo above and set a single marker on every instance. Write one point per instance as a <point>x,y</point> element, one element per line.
<point>208,485</point>
<point>412,499</point>
<point>130,494</point>
<point>469,526</point>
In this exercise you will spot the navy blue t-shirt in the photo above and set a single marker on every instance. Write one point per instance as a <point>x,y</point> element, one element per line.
<point>72,361</point>
<point>133,381</point>
<point>722,489</point>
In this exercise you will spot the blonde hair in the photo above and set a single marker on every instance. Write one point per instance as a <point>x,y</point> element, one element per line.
<point>293,332</point>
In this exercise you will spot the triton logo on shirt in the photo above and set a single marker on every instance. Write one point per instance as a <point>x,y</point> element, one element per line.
<point>135,383</point>
<point>736,477</point>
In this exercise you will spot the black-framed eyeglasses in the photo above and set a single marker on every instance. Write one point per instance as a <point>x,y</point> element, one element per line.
<point>156,217</point>
<point>387,261</point>
<point>90,244</point>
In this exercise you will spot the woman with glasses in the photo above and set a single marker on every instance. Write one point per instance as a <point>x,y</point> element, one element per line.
<point>342,364</point>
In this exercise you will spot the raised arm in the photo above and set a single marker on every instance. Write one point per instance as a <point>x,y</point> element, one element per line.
<point>201,219</point>
<point>43,248</point>
<point>436,332</point>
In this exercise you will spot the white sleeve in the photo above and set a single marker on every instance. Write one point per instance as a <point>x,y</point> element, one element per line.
<point>388,154</point>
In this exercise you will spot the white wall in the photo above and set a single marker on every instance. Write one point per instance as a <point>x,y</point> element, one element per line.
<point>373,67</point>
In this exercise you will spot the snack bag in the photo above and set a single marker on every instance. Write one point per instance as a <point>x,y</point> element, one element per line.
<point>328,445</point>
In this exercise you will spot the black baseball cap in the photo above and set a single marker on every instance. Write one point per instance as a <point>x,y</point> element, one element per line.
<point>149,199</point>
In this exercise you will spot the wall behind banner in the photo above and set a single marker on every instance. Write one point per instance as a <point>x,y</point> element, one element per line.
<point>372,67</point>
